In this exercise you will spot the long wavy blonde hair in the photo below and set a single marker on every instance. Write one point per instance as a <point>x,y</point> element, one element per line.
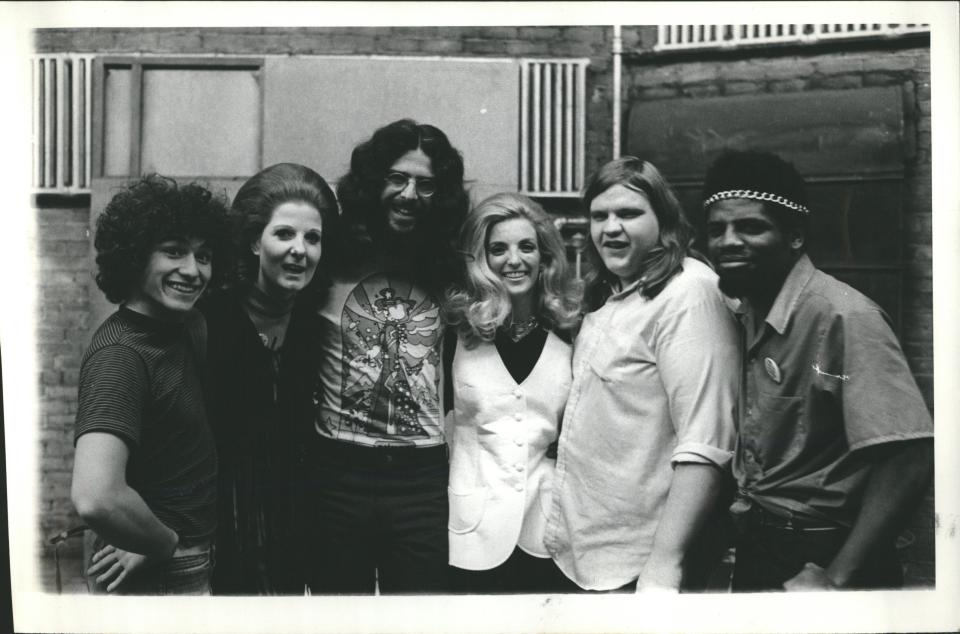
<point>479,303</point>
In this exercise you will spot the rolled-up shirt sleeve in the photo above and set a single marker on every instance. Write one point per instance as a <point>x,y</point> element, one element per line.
<point>698,358</point>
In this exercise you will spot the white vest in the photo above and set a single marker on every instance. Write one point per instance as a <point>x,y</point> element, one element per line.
<point>498,432</point>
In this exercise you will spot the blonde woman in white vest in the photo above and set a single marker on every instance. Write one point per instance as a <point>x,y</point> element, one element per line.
<point>511,373</point>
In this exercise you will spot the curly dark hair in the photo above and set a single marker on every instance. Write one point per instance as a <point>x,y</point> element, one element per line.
<point>144,214</point>
<point>363,224</point>
<point>762,172</point>
<point>676,233</point>
<point>254,204</point>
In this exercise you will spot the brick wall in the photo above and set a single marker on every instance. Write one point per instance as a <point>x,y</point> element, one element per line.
<point>706,74</point>
<point>65,284</point>
<point>63,304</point>
<point>65,281</point>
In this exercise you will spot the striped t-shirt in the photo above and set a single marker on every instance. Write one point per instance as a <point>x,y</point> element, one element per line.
<point>139,380</point>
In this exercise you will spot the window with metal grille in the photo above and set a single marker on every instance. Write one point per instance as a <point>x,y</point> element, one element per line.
<point>694,36</point>
<point>552,126</point>
<point>61,122</point>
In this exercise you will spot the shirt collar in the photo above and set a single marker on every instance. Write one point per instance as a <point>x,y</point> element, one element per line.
<point>630,288</point>
<point>789,295</point>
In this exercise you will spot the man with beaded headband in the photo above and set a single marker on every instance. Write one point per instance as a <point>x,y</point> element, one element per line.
<point>834,440</point>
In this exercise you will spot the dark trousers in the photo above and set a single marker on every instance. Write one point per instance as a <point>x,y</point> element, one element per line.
<point>767,556</point>
<point>379,518</point>
<point>519,574</point>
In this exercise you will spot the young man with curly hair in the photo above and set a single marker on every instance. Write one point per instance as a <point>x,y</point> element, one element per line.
<point>144,477</point>
<point>379,458</point>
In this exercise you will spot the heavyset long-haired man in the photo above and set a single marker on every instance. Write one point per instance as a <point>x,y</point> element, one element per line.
<point>379,458</point>
<point>648,426</point>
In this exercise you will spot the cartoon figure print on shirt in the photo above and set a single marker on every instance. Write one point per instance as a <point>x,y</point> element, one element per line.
<point>390,374</point>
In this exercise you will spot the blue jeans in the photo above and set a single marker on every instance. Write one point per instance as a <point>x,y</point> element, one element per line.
<point>187,572</point>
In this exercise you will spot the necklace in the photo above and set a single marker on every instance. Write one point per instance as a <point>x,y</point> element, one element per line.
<point>517,330</point>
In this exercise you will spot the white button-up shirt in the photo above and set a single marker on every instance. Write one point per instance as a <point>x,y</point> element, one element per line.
<point>654,383</point>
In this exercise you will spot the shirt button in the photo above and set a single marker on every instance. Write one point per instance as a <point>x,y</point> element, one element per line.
<point>518,441</point>
<point>518,466</point>
<point>518,486</point>
<point>518,416</point>
<point>518,393</point>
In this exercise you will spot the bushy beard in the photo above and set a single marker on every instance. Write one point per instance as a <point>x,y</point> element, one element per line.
<point>409,248</point>
<point>751,282</point>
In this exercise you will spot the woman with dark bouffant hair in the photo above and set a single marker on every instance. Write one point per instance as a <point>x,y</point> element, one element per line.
<point>263,334</point>
<point>145,467</point>
<point>510,378</point>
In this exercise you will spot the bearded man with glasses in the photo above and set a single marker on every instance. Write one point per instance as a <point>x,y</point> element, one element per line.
<point>378,458</point>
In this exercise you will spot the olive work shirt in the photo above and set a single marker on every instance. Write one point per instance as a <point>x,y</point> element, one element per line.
<point>822,378</point>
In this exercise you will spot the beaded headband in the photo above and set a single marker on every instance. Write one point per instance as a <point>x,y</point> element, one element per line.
<point>747,193</point>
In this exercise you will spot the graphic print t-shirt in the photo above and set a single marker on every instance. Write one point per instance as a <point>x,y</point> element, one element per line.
<point>380,366</point>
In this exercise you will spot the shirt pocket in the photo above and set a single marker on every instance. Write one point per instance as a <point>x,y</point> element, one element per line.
<point>466,509</point>
<point>617,361</point>
<point>608,371</point>
<point>779,423</point>
<point>622,372</point>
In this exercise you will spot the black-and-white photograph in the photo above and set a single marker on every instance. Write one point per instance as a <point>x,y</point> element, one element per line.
<point>482,317</point>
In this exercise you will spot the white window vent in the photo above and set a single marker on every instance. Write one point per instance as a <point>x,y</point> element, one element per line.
<point>695,36</point>
<point>552,126</point>
<point>61,123</point>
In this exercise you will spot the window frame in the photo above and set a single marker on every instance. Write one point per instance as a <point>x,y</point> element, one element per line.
<point>137,65</point>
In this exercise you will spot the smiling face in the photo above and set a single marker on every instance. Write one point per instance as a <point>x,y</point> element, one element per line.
<point>513,254</point>
<point>175,276</point>
<point>289,249</point>
<point>402,204</point>
<point>751,252</point>
<point>623,228</point>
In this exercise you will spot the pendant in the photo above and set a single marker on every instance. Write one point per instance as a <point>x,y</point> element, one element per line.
<point>772,369</point>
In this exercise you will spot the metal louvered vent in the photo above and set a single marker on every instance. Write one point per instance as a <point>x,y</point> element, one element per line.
<point>552,126</point>
<point>693,36</point>
<point>61,122</point>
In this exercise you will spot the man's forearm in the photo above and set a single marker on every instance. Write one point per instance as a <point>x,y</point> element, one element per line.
<point>895,485</point>
<point>124,520</point>
<point>693,493</point>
